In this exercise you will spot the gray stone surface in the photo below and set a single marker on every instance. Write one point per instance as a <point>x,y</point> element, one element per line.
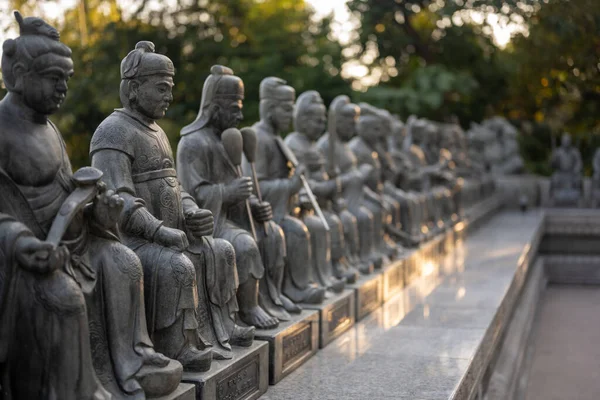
<point>185,391</point>
<point>435,354</point>
<point>337,314</point>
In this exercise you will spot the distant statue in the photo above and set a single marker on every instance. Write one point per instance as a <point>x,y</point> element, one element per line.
<point>566,184</point>
<point>310,119</point>
<point>208,173</point>
<point>596,179</point>
<point>60,254</point>
<point>280,182</point>
<point>190,278</point>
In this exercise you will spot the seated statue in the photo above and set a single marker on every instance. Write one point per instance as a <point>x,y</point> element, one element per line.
<point>596,180</point>
<point>280,184</point>
<point>190,278</point>
<point>207,172</point>
<point>67,284</point>
<point>309,122</point>
<point>566,183</point>
<point>359,230</point>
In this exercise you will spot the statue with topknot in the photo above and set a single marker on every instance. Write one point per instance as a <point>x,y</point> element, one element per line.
<point>280,181</point>
<point>72,319</point>
<point>566,185</point>
<point>207,172</point>
<point>191,278</point>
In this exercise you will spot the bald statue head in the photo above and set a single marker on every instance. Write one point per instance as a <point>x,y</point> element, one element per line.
<point>277,103</point>
<point>147,81</point>
<point>36,66</point>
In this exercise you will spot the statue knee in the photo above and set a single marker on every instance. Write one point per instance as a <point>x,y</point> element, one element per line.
<point>182,269</point>
<point>126,261</point>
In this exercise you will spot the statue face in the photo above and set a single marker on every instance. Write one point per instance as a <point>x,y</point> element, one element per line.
<point>229,114</point>
<point>44,87</point>
<point>282,115</point>
<point>154,95</point>
<point>566,141</point>
<point>346,126</point>
<point>315,122</point>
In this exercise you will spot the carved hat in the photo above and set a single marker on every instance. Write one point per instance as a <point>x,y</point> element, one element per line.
<point>143,61</point>
<point>220,84</point>
<point>305,102</point>
<point>273,88</point>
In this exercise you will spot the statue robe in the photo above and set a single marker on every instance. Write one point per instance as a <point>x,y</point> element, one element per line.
<point>204,169</point>
<point>278,189</point>
<point>200,285</point>
<point>44,316</point>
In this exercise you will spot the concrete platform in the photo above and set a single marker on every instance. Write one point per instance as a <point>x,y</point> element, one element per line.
<point>337,314</point>
<point>368,293</point>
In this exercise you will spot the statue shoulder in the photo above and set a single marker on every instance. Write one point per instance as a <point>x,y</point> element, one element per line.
<point>113,133</point>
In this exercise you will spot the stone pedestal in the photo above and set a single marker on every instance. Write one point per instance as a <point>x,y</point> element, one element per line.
<point>336,315</point>
<point>368,293</point>
<point>291,343</point>
<point>393,276</point>
<point>245,377</point>
<point>185,391</point>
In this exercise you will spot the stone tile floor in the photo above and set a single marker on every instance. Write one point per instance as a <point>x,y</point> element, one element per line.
<point>419,344</point>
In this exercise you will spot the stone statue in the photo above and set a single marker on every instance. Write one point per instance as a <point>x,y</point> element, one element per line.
<point>206,172</point>
<point>280,184</point>
<point>566,184</point>
<point>191,278</point>
<point>309,124</point>
<point>596,179</point>
<point>360,230</point>
<point>371,129</point>
<point>72,319</point>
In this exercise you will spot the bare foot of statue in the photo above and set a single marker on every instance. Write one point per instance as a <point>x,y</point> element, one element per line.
<point>256,316</point>
<point>194,359</point>
<point>344,271</point>
<point>242,335</point>
<point>366,268</point>
<point>289,305</point>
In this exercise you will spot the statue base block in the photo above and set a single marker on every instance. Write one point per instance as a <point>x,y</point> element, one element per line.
<point>291,343</point>
<point>393,275</point>
<point>245,377</point>
<point>184,391</point>
<point>336,315</point>
<point>368,294</point>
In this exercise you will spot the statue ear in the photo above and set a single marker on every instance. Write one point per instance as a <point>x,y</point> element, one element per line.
<point>133,89</point>
<point>18,72</point>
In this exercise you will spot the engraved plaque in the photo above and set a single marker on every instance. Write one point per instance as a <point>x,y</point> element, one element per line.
<point>241,382</point>
<point>296,344</point>
<point>340,316</point>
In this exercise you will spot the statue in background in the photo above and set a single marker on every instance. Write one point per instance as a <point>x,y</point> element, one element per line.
<point>280,183</point>
<point>206,172</point>
<point>596,179</point>
<point>190,278</point>
<point>61,256</point>
<point>566,183</point>
<point>359,230</point>
<point>310,122</point>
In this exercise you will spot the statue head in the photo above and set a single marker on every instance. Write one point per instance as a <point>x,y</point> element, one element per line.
<point>276,103</point>
<point>346,117</point>
<point>372,124</point>
<point>36,66</point>
<point>147,81</point>
<point>222,99</point>
<point>565,140</point>
<point>310,115</point>
<point>398,130</point>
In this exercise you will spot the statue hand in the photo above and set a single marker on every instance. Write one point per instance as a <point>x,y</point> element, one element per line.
<point>39,256</point>
<point>239,189</point>
<point>172,238</point>
<point>262,211</point>
<point>107,207</point>
<point>200,222</point>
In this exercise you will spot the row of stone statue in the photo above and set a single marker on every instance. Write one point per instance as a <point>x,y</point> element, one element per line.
<point>116,278</point>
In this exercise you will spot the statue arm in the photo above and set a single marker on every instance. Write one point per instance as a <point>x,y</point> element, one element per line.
<point>136,220</point>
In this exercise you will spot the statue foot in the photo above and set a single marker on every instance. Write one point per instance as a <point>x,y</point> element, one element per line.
<point>257,317</point>
<point>194,359</point>
<point>366,268</point>
<point>153,358</point>
<point>289,305</point>
<point>312,294</point>
<point>376,260</point>
<point>220,353</point>
<point>278,312</point>
<point>336,285</point>
<point>242,335</point>
<point>348,275</point>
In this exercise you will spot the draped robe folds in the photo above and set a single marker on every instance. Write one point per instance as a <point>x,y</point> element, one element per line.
<point>137,161</point>
<point>44,315</point>
<point>331,242</point>
<point>273,174</point>
<point>204,169</point>
<point>353,194</point>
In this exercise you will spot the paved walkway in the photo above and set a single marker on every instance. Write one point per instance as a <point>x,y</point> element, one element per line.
<point>566,357</point>
<point>418,345</point>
